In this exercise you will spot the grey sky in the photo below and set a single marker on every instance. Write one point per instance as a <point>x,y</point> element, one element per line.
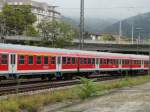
<point>102,8</point>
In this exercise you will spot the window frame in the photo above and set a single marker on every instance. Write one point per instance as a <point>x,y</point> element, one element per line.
<point>46,60</point>
<point>29,60</point>
<point>73,60</point>
<point>64,60</point>
<point>21,60</point>
<point>5,59</point>
<point>38,59</point>
<point>52,60</point>
<point>89,61</point>
<point>69,60</point>
<point>93,61</point>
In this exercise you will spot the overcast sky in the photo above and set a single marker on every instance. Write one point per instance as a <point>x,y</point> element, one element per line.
<point>118,9</point>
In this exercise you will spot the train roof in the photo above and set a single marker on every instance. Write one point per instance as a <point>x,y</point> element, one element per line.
<point>58,51</point>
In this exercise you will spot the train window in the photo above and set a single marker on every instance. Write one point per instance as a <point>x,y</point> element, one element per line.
<point>110,61</point>
<point>73,61</point>
<point>21,59</point>
<point>46,60</point>
<point>140,61</point>
<point>85,61</point>
<point>30,60</point>
<point>97,61</point>
<point>133,62</point>
<point>130,62</point>
<point>64,60</point>
<point>116,61</point>
<point>68,60</point>
<point>53,60</point>
<point>123,62</point>
<point>93,61</point>
<point>89,61</point>
<point>4,59</point>
<point>104,61</point>
<point>81,60</point>
<point>101,61</point>
<point>126,61</point>
<point>145,62</point>
<point>38,60</point>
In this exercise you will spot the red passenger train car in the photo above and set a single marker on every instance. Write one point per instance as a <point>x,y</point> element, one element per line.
<point>30,61</point>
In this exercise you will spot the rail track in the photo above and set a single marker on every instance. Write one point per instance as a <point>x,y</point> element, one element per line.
<point>35,85</point>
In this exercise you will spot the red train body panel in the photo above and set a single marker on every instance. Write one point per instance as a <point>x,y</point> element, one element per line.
<point>16,59</point>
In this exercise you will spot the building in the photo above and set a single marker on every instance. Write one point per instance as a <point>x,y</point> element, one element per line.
<point>43,11</point>
<point>1,4</point>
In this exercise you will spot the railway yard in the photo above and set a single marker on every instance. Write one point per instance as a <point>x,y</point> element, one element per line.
<point>116,94</point>
<point>23,86</point>
<point>53,60</point>
<point>128,99</point>
<point>33,78</point>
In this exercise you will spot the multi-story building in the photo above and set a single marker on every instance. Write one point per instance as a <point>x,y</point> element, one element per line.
<point>43,11</point>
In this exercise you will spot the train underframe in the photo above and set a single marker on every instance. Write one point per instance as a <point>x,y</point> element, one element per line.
<point>70,75</point>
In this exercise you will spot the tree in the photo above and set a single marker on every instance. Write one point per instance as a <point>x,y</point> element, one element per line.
<point>31,31</point>
<point>58,33</point>
<point>17,18</point>
<point>108,37</point>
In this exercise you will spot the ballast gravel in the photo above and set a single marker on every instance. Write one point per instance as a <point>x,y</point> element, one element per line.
<point>129,99</point>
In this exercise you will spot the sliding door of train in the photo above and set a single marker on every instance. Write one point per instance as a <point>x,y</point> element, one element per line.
<point>12,63</point>
<point>59,65</point>
<point>97,64</point>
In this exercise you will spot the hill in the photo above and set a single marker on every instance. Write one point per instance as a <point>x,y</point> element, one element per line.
<point>93,25</point>
<point>140,21</point>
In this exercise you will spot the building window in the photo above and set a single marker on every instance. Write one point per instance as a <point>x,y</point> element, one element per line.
<point>38,60</point>
<point>21,59</point>
<point>30,60</point>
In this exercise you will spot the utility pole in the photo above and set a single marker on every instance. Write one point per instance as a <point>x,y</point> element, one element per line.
<point>81,24</point>
<point>139,38</point>
<point>149,64</point>
<point>120,32</point>
<point>132,32</point>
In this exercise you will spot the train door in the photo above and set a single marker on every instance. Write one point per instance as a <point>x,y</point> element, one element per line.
<point>12,63</point>
<point>120,63</point>
<point>97,64</point>
<point>58,65</point>
<point>142,64</point>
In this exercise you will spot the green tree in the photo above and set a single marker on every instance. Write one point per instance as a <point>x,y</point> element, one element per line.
<point>57,33</point>
<point>108,37</point>
<point>31,31</point>
<point>17,18</point>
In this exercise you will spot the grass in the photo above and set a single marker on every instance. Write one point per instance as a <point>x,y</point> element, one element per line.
<point>34,103</point>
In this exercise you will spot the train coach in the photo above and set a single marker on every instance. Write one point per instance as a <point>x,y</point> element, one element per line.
<point>29,62</point>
